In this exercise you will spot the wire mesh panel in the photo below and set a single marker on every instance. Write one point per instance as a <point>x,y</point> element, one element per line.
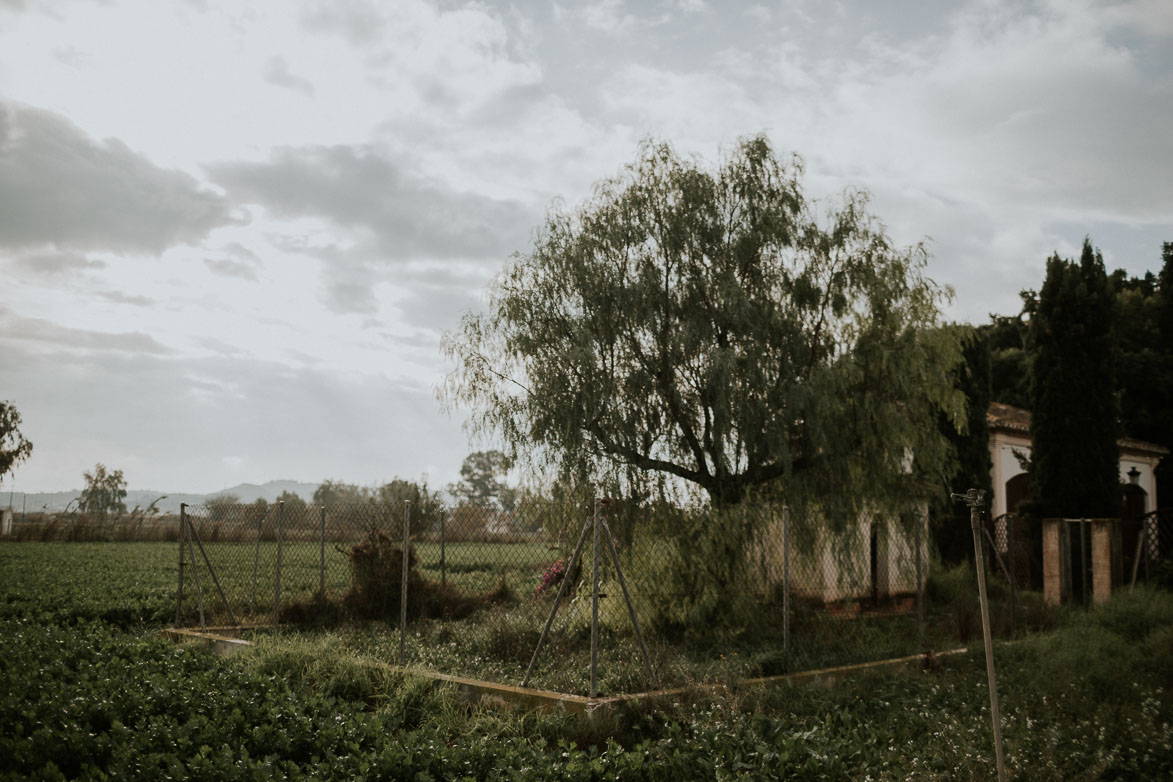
<point>748,591</point>
<point>1151,561</point>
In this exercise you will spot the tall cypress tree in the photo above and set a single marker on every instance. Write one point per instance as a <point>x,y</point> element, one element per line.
<point>1165,293</point>
<point>1075,457</point>
<point>1164,378</point>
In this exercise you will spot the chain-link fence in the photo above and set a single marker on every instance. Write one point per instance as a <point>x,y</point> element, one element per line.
<point>682,595</point>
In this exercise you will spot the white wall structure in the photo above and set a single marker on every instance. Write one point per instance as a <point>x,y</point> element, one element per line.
<point>1010,436</point>
<point>840,567</point>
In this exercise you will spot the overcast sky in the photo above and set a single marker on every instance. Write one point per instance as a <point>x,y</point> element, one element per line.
<point>232,234</point>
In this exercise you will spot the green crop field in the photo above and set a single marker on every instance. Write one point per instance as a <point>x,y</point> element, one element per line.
<point>87,690</point>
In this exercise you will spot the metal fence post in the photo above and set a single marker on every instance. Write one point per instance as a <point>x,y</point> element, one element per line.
<point>443,564</point>
<point>976,501</point>
<point>277,580</point>
<point>785,580</point>
<point>179,600</point>
<point>595,604</point>
<point>322,553</point>
<point>1013,573</point>
<point>257,557</point>
<point>404,566</point>
<point>195,572</point>
<point>920,584</point>
<point>1083,544</point>
<point>1065,561</point>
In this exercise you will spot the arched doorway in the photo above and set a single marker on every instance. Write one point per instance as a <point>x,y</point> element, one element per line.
<point>1026,547</point>
<point>1133,502</point>
<point>1017,490</point>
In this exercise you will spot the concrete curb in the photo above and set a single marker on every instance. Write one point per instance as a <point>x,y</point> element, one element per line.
<point>507,696</point>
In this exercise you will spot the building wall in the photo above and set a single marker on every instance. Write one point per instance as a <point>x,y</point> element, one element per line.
<point>839,567</point>
<point>1004,466</point>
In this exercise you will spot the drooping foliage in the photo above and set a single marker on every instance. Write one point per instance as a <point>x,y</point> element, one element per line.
<point>103,494</point>
<point>14,448</point>
<point>717,328</point>
<point>1074,457</point>
<point>971,443</point>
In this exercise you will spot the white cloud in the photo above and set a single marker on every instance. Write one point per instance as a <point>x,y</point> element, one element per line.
<point>277,73</point>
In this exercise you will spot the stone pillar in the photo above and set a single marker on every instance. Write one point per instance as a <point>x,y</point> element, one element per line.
<point>1052,565</point>
<point>1102,559</point>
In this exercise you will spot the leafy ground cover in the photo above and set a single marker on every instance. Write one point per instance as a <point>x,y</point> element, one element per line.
<point>86,690</point>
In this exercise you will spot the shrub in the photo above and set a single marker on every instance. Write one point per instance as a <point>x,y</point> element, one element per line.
<point>376,583</point>
<point>695,566</point>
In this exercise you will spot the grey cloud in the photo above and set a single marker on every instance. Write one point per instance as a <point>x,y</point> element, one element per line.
<point>53,264</point>
<point>220,347</point>
<point>437,297</point>
<point>229,268</point>
<point>349,290</point>
<point>404,215</point>
<point>359,22</point>
<point>119,297</point>
<point>60,187</point>
<point>236,260</point>
<point>44,333</point>
<point>277,73</point>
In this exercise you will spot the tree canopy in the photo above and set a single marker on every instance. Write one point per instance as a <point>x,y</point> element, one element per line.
<point>482,479</point>
<point>103,494</point>
<point>14,448</point>
<point>717,327</point>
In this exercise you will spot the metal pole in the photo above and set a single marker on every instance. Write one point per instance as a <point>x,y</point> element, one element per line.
<point>179,600</point>
<point>1083,558</point>
<point>1065,560</point>
<point>215,579</point>
<point>257,558</point>
<point>630,606</point>
<point>1140,539</point>
<point>443,562</point>
<point>277,583</point>
<point>920,603</point>
<point>786,580</point>
<point>195,572</point>
<point>975,499</point>
<point>1013,572</point>
<point>404,565</point>
<point>322,552</point>
<point>595,604</point>
<point>562,590</point>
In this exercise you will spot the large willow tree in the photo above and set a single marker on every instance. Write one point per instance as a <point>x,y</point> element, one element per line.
<point>716,327</point>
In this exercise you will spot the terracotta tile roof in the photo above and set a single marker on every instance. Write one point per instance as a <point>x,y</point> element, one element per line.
<point>1004,416</point>
<point>1009,418</point>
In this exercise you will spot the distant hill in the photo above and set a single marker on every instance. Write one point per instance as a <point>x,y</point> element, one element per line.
<point>58,501</point>
<point>251,492</point>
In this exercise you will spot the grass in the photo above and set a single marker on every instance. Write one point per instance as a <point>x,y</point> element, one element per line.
<point>87,690</point>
